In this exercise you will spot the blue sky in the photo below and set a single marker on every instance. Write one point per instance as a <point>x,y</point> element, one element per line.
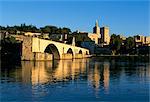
<point>123,17</point>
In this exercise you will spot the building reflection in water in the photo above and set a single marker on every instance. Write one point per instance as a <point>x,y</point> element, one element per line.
<point>98,76</point>
<point>143,71</point>
<point>106,75</point>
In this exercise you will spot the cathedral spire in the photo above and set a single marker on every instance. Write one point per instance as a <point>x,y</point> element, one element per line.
<point>96,23</point>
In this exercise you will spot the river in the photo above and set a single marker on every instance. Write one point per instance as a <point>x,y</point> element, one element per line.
<point>91,79</point>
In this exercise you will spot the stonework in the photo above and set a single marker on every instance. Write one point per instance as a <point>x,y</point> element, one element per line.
<point>93,37</point>
<point>96,33</point>
<point>43,56</point>
<point>100,35</point>
<point>67,56</point>
<point>105,38</point>
<point>34,49</point>
<point>39,45</point>
<point>27,53</point>
<point>78,56</point>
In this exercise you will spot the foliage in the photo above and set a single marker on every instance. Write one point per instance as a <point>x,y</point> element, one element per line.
<point>115,43</point>
<point>79,37</point>
<point>129,44</point>
<point>65,30</point>
<point>9,40</point>
<point>31,28</point>
<point>49,29</point>
<point>10,49</point>
<point>21,28</point>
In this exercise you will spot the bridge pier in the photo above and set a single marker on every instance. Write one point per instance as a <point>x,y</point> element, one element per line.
<point>43,56</point>
<point>76,56</point>
<point>27,53</point>
<point>66,56</point>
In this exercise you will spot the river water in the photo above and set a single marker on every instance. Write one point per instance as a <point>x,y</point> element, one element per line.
<point>93,79</point>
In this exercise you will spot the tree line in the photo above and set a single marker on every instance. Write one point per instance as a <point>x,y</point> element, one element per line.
<point>31,28</point>
<point>120,46</point>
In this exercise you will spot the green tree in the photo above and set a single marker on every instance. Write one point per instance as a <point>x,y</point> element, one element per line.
<point>115,44</point>
<point>65,30</point>
<point>129,44</point>
<point>49,29</point>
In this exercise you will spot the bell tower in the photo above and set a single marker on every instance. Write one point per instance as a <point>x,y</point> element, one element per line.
<point>96,29</point>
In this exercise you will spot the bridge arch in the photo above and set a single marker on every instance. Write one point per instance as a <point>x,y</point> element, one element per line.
<point>80,52</point>
<point>70,51</point>
<point>86,53</point>
<point>52,49</point>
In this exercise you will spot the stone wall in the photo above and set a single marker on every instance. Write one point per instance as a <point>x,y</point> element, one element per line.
<point>27,53</point>
<point>67,56</point>
<point>43,56</point>
<point>78,56</point>
<point>33,49</point>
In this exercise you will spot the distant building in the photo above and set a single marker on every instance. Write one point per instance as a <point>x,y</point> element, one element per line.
<point>105,38</point>
<point>96,29</point>
<point>142,40</point>
<point>95,36</point>
<point>122,37</point>
<point>31,34</point>
<point>100,35</point>
<point>45,36</point>
<point>147,41</point>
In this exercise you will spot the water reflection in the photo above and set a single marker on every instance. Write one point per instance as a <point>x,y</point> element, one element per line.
<point>52,71</point>
<point>97,72</point>
<point>98,76</point>
<point>94,74</point>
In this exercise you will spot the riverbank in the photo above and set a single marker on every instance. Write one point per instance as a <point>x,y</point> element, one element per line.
<point>120,55</point>
<point>120,58</point>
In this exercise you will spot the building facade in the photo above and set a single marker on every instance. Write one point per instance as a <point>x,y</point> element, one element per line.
<point>100,35</point>
<point>95,36</point>
<point>141,40</point>
<point>105,38</point>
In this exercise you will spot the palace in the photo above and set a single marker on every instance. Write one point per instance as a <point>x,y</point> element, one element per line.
<point>100,35</point>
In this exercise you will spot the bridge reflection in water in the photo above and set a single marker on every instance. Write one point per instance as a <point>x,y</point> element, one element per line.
<point>66,70</point>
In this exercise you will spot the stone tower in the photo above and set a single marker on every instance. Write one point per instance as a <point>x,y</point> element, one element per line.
<point>96,29</point>
<point>105,38</point>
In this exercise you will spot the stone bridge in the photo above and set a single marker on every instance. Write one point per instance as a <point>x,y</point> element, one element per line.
<point>40,49</point>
